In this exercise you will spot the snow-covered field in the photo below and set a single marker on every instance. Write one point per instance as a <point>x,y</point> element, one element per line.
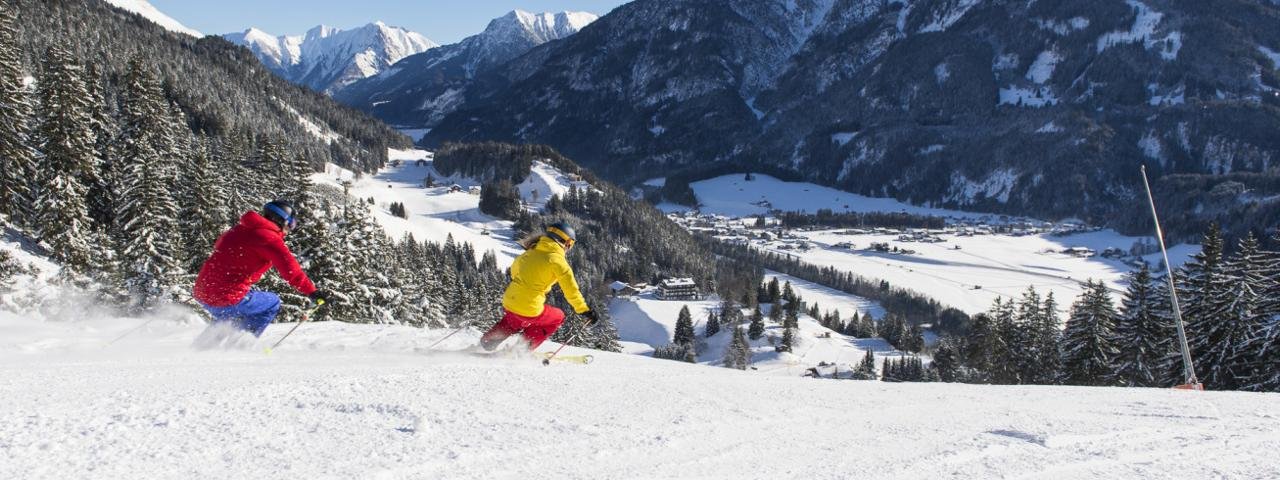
<point>982,269</point>
<point>734,196</point>
<point>361,401</point>
<point>645,323</point>
<point>985,267</point>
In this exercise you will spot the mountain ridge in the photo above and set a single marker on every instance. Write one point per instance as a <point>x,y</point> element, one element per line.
<point>420,89</point>
<point>328,59</point>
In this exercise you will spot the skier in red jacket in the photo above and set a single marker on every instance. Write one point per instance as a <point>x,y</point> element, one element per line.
<point>240,257</point>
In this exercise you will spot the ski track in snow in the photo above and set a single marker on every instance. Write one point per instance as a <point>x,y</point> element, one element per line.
<point>358,401</point>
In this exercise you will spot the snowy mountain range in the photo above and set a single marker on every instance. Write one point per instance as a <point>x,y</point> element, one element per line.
<point>328,59</point>
<point>421,89</point>
<point>1034,108</point>
<point>150,12</point>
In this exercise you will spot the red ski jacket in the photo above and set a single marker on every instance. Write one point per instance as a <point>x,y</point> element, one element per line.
<point>240,258</point>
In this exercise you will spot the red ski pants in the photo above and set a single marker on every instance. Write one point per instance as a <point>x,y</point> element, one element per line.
<point>535,329</point>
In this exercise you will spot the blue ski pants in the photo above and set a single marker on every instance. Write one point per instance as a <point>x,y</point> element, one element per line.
<point>252,314</point>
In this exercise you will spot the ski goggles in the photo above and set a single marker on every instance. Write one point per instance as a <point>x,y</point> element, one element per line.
<point>289,220</point>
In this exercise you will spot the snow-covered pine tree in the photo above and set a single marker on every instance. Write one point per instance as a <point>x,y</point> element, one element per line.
<point>1087,349</point>
<point>66,140</point>
<point>102,185</point>
<point>1143,338</point>
<point>889,371</point>
<point>867,368</point>
<point>1004,366</point>
<point>1047,337</point>
<point>204,213</point>
<point>985,346</point>
<point>788,331</point>
<point>1226,360</point>
<point>1264,344</point>
<point>684,328</point>
<point>1023,349</point>
<point>712,326</point>
<point>738,353</point>
<point>773,292</point>
<point>756,328</point>
<point>17,157</point>
<point>1204,291</point>
<point>147,214</point>
<point>947,359</point>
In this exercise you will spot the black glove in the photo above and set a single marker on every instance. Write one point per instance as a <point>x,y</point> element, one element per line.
<point>592,317</point>
<point>320,297</point>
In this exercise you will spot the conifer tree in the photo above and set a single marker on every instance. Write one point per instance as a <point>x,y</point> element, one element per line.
<point>17,157</point>
<point>1047,335</point>
<point>102,185</point>
<point>204,212</point>
<point>67,142</point>
<point>146,213</point>
<point>684,328</point>
<point>738,353</point>
<point>1087,349</point>
<point>756,329</point>
<point>1264,344</point>
<point>947,359</point>
<point>1225,356</point>
<point>985,345</point>
<point>1144,340</point>
<point>867,368</point>
<point>1202,291</point>
<point>788,332</point>
<point>775,312</point>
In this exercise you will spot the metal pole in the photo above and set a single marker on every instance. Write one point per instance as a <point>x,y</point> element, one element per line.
<point>1188,369</point>
<point>547,361</point>
<point>446,337</point>
<point>305,316</point>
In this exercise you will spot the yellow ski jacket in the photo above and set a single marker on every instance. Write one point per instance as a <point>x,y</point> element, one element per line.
<point>533,274</point>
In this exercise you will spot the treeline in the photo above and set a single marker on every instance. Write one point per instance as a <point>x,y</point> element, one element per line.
<point>911,306</point>
<point>221,89</point>
<point>830,219</point>
<point>492,162</point>
<point>1231,307</point>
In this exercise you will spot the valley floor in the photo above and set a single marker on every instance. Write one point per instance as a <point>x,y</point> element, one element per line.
<point>363,401</point>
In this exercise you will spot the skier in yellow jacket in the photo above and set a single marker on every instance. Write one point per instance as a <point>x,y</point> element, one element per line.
<point>534,272</point>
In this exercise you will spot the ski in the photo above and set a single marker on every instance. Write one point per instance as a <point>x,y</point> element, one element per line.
<point>579,359</point>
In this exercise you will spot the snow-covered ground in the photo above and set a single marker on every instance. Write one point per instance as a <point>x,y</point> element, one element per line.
<point>985,267</point>
<point>732,195</point>
<point>362,401</point>
<point>434,213</point>
<point>645,323</point>
<point>150,12</point>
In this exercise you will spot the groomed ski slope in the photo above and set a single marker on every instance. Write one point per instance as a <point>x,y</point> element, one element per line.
<point>360,401</point>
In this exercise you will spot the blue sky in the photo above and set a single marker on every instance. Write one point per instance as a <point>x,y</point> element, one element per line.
<point>443,21</point>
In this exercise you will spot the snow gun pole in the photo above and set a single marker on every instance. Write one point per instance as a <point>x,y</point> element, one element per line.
<point>1188,370</point>
<point>547,361</point>
<point>305,316</point>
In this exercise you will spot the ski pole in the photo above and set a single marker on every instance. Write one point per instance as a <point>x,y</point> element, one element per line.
<point>130,332</point>
<point>547,361</point>
<point>446,337</point>
<point>305,316</point>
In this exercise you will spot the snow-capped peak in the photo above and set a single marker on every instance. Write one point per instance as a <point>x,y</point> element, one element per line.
<point>539,27</point>
<point>150,12</point>
<point>327,58</point>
